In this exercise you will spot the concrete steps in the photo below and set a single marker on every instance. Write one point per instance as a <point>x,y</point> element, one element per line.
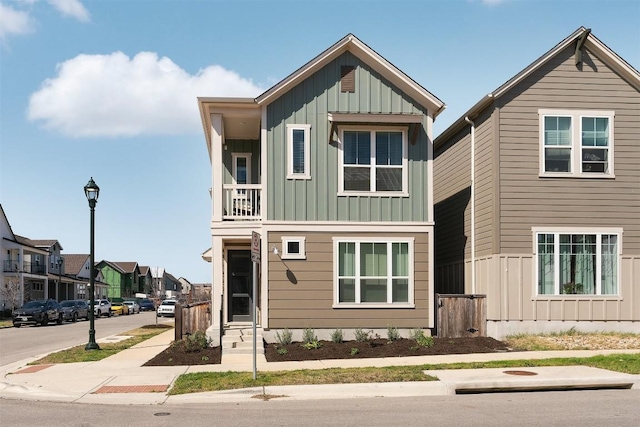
<point>240,341</point>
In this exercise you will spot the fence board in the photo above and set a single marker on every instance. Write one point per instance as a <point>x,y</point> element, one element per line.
<point>461,316</point>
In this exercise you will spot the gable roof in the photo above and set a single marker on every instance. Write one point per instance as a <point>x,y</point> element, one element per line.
<point>591,42</point>
<point>128,266</point>
<point>110,264</point>
<point>354,45</point>
<point>73,263</point>
<point>144,269</point>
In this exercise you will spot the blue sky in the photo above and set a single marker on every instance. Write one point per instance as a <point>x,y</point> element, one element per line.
<point>107,89</point>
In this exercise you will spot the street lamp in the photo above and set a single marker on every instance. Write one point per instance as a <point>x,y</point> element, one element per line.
<point>91,190</point>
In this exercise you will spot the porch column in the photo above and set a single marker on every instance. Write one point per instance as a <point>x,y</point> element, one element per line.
<point>216,167</point>
<point>217,289</point>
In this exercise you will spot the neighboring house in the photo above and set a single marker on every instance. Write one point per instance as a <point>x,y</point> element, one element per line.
<point>200,292</point>
<point>59,288</point>
<point>172,286</point>
<point>185,286</point>
<point>537,191</point>
<point>157,277</point>
<point>332,166</point>
<point>24,267</point>
<point>130,278</point>
<point>113,276</point>
<point>145,280</point>
<point>77,268</point>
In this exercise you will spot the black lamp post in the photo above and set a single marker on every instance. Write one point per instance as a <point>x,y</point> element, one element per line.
<point>91,190</point>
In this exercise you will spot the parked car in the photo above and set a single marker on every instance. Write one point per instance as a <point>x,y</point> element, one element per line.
<point>39,312</point>
<point>134,307</point>
<point>167,308</point>
<point>147,305</point>
<point>119,308</point>
<point>75,309</point>
<point>102,307</point>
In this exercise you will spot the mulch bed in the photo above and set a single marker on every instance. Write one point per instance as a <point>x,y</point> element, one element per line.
<point>382,348</point>
<point>176,355</point>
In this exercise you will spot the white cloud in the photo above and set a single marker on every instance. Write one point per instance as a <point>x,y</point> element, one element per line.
<point>114,95</point>
<point>73,8</point>
<point>14,22</point>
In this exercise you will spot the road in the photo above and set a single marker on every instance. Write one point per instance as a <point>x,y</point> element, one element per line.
<point>567,408</point>
<point>32,341</point>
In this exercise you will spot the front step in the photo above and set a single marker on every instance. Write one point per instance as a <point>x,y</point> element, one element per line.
<point>240,341</point>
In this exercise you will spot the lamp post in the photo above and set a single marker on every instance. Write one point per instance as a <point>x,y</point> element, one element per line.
<point>91,190</point>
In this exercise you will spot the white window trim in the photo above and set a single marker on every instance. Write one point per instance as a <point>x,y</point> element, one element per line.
<point>360,305</point>
<point>234,171</point>
<point>576,142</point>
<point>405,162</point>
<point>285,247</point>
<point>599,231</point>
<point>307,148</point>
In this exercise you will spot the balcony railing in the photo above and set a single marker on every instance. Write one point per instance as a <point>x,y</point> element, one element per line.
<point>13,266</point>
<point>241,202</point>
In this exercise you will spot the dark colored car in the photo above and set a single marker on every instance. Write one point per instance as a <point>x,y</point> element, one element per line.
<point>147,305</point>
<point>75,309</point>
<point>39,312</point>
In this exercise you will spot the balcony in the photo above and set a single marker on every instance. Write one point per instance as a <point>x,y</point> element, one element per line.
<point>241,202</point>
<point>13,266</point>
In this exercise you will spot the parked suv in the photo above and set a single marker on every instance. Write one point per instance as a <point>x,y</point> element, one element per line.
<point>167,308</point>
<point>75,309</point>
<point>39,312</point>
<point>102,307</point>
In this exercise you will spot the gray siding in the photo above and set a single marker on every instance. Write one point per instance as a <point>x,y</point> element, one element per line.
<point>316,199</point>
<point>304,297</point>
<point>528,200</point>
<point>241,146</point>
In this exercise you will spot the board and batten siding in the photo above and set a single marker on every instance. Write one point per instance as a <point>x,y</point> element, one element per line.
<point>251,147</point>
<point>303,298</point>
<point>316,199</point>
<point>528,200</point>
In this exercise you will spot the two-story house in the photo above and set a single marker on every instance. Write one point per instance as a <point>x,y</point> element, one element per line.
<point>537,191</point>
<point>332,167</point>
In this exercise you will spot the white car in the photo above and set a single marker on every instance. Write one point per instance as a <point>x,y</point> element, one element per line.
<point>101,308</point>
<point>167,308</point>
<point>134,307</point>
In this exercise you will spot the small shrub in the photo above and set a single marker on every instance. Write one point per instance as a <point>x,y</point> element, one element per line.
<point>312,345</point>
<point>195,342</point>
<point>282,351</point>
<point>425,341</point>
<point>392,333</point>
<point>309,336</point>
<point>285,338</point>
<point>361,335</point>
<point>354,351</point>
<point>416,333</point>
<point>205,358</point>
<point>337,336</point>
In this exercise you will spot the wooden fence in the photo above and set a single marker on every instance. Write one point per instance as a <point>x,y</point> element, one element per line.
<point>461,316</point>
<point>191,318</point>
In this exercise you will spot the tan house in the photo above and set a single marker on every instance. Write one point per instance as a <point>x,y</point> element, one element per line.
<point>332,167</point>
<point>537,192</point>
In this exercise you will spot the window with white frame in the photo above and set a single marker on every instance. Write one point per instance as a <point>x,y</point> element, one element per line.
<point>241,171</point>
<point>372,272</point>
<point>298,151</point>
<point>373,160</point>
<point>293,247</point>
<point>582,263</point>
<point>576,143</point>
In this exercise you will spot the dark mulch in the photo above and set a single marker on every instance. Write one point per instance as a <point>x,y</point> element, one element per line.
<point>383,348</point>
<point>177,354</point>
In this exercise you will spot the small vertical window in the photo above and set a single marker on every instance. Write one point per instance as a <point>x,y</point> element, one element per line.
<point>298,151</point>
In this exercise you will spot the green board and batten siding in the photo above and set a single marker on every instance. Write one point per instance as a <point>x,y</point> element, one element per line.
<point>316,199</point>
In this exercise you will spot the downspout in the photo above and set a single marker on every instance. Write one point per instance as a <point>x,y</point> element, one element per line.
<point>473,204</point>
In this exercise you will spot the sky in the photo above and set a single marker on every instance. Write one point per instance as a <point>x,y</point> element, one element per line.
<point>107,89</point>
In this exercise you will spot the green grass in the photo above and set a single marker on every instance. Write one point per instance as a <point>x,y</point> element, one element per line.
<point>79,354</point>
<point>6,323</point>
<point>215,381</point>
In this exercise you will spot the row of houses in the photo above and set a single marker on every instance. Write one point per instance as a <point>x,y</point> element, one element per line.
<point>37,269</point>
<point>531,199</point>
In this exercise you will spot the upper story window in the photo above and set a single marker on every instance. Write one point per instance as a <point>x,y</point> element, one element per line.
<point>298,147</point>
<point>373,161</point>
<point>577,263</point>
<point>576,143</point>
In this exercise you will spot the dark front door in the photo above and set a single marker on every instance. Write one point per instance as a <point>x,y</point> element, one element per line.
<point>240,286</point>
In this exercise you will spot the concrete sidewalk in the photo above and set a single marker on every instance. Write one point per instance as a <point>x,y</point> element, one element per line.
<point>121,378</point>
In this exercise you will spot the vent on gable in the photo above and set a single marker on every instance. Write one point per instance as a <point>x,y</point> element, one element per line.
<point>348,78</point>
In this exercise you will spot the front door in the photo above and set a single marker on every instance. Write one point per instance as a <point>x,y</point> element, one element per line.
<point>240,286</point>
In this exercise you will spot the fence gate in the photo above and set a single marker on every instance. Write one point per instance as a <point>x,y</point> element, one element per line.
<point>461,316</point>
